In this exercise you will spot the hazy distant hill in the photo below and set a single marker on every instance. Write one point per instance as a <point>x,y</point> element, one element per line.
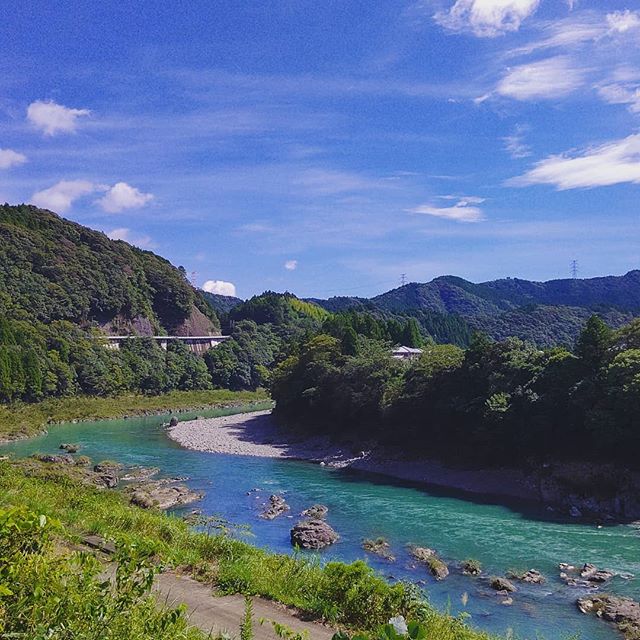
<point>545,312</point>
<point>54,269</point>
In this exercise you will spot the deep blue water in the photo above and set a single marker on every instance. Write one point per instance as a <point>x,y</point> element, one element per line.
<point>364,505</point>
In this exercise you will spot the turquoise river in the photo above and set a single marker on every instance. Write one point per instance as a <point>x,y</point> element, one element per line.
<point>501,536</point>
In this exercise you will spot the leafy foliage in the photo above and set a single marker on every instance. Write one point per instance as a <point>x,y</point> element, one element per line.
<point>494,401</point>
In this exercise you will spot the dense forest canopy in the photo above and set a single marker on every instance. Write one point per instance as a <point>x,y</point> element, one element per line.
<point>52,269</point>
<point>496,401</point>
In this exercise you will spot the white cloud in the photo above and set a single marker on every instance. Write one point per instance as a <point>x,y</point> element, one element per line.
<point>623,21</point>
<point>62,195</point>
<point>463,211</point>
<point>10,158</point>
<point>615,162</point>
<point>220,287</point>
<point>291,265</point>
<point>122,233</point>
<point>621,94</point>
<point>52,118</point>
<point>515,144</point>
<point>551,78</point>
<point>487,18</point>
<point>123,196</point>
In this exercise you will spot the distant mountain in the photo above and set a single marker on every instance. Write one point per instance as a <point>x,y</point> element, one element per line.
<point>546,313</point>
<point>54,269</point>
<point>221,304</point>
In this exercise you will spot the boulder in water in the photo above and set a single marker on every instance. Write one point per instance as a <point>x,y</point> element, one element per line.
<point>316,512</point>
<point>379,547</point>
<point>173,422</point>
<point>163,496</point>
<point>623,612</point>
<point>313,534</point>
<point>532,576</point>
<point>429,557</point>
<point>502,584</point>
<point>276,506</point>
<point>70,448</point>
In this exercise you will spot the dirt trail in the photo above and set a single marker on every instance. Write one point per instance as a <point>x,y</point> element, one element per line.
<point>211,613</point>
<point>215,614</point>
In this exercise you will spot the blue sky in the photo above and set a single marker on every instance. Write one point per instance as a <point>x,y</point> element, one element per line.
<point>328,147</point>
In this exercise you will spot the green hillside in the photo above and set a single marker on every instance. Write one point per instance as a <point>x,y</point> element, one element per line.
<point>52,269</point>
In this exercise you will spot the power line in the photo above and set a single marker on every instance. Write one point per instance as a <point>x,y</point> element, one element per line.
<point>403,279</point>
<point>574,269</point>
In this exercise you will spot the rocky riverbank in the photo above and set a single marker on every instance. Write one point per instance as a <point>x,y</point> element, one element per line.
<point>593,491</point>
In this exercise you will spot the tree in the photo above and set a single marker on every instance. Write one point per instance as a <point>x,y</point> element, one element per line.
<point>593,342</point>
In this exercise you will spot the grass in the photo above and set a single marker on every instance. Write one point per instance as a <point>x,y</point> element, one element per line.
<point>23,420</point>
<point>350,595</point>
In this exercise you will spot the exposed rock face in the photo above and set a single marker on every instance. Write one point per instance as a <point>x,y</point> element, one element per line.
<point>623,612</point>
<point>140,473</point>
<point>316,512</point>
<point>313,534</point>
<point>70,448</point>
<point>590,490</point>
<point>163,496</point>
<point>429,557</point>
<point>275,507</point>
<point>379,547</point>
<point>532,576</point>
<point>502,584</point>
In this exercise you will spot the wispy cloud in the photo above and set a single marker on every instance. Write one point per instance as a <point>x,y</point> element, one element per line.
<point>615,162</point>
<point>486,18</point>
<point>465,210</point>
<point>52,118</point>
<point>139,240</point>
<point>63,194</point>
<point>123,196</point>
<point>542,80</point>
<point>291,265</point>
<point>515,145</point>
<point>10,158</point>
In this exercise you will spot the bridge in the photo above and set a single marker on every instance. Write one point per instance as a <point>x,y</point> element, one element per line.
<point>196,344</point>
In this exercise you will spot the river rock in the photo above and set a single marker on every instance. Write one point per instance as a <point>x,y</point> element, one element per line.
<point>429,557</point>
<point>379,547</point>
<point>313,534</point>
<point>107,466</point>
<point>109,480</point>
<point>54,459</point>
<point>623,612</point>
<point>471,567</point>
<point>173,422</point>
<point>502,584</point>
<point>316,512</point>
<point>163,497</point>
<point>276,506</point>
<point>532,576</point>
<point>70,448</point>
<point>593,574</point>
<point>140,473</point>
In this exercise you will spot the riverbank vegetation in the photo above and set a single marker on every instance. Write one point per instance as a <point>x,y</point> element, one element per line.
<point>495,402</point>
<point>350,595</point>
<point>24,419</point>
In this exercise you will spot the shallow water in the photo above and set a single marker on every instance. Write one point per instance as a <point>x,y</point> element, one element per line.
<point>364,505</point>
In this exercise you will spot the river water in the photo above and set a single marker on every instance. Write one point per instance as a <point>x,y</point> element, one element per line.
<point>361,505</point>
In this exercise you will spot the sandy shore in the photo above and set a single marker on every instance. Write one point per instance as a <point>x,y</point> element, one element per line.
<point>257,434</point>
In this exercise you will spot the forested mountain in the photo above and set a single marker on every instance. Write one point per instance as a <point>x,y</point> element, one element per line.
<point>53,269</point>
<point>63,285</point>
<point>546,313</point>
<point>220,303</point>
